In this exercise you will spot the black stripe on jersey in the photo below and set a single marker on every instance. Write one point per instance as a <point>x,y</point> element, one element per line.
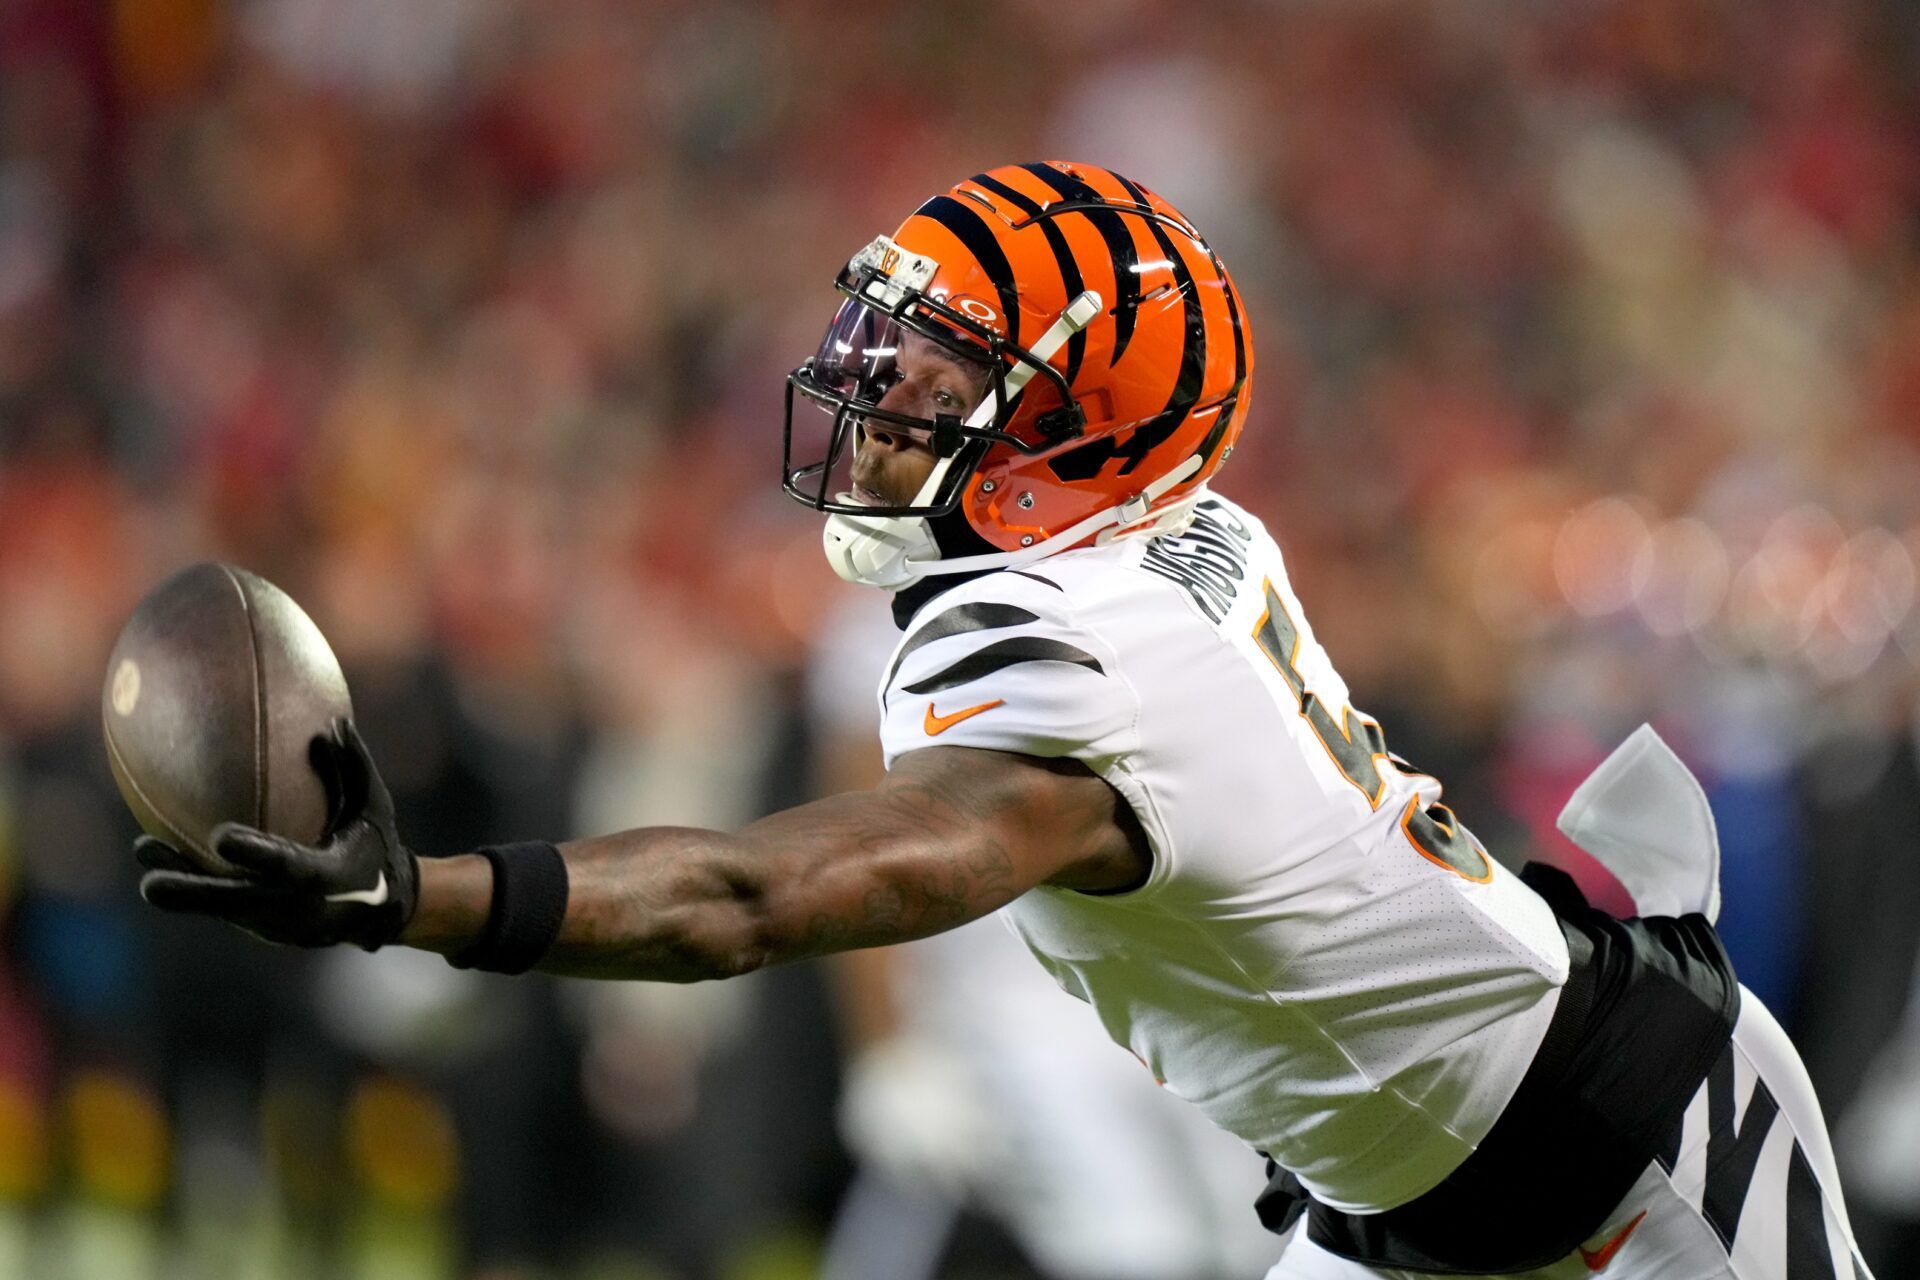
<point>1732,1154</point>
<point>981,615</point>
<point>1002,654</point>
<point>1045,582</point>
<point>1063,256</point>
<point>970,228</point>
<point>1808,1255</point>
<point>1126,281</point>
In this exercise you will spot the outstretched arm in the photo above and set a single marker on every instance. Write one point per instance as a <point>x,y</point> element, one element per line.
<point>950,835</point>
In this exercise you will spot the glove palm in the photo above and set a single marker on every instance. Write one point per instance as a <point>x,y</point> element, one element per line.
<point>358,884</point>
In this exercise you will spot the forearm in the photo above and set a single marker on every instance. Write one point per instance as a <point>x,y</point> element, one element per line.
<point>675,904</point>
<point>671,904</point>
<point>949,836</point>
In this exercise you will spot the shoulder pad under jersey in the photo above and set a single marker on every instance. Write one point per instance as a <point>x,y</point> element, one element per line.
<point>1001,663</point>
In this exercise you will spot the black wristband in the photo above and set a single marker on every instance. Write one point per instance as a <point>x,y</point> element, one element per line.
<point>529,903</point>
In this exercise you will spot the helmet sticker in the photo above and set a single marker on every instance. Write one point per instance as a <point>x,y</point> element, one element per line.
<point>897,271</point>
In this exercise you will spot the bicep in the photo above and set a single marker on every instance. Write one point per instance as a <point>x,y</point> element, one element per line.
<point>950,835</point>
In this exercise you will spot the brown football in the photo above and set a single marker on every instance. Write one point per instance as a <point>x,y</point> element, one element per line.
<point>216,687</point>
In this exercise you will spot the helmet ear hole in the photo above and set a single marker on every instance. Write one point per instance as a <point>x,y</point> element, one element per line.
<point>1083,463</point>
<point>1054,417</point>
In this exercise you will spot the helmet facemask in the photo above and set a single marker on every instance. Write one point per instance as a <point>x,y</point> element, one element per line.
<point>887,306</point>
<point>859,362</point>
<point>858,365</point>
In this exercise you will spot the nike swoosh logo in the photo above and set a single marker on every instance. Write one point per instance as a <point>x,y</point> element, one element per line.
<point>1597,1259</point>
<point>937,723</point>
<point>372,897</point>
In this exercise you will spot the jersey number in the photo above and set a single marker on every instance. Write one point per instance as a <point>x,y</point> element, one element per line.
<point>1358,747</point>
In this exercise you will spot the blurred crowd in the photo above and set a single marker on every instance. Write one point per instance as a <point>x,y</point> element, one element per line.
<point>1588,393</point>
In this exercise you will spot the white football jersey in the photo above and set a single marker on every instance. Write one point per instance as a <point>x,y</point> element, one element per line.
<point>1322,960</point>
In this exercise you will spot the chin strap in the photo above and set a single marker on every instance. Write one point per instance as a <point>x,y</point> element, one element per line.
<point>875,551</point>
<point>1130,517</point>
<point>896,551</point>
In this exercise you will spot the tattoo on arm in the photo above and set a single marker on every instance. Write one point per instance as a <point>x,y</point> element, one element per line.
<point>950,836</point>
<point>954,867</point>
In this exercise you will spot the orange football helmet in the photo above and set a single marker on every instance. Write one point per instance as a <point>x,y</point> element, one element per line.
<point>1118,367</point>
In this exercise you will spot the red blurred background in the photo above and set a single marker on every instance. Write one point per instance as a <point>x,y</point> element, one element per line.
<point>1589,392</point>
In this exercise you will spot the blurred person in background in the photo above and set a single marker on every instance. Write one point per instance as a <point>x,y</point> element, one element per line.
<point>1883,1131</point>
<point>1154,767</point>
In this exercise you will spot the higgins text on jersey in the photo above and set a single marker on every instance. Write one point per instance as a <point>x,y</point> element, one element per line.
<point>1209,560</point>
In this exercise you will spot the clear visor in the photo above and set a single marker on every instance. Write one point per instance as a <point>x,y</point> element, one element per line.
<point>859,356</point>
<point>866,353</point>
<point>921,373</point>
<point>876,377</point>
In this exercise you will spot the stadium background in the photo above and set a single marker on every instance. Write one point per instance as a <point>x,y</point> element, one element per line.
<point>1589,392</point>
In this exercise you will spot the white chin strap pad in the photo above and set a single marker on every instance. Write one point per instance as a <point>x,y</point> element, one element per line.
<point>878,552</point>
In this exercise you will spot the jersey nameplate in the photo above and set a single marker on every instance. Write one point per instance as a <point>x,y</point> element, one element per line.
<point>1208,561</point>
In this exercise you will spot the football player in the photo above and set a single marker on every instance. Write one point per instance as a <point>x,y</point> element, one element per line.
<point>1109,714</point>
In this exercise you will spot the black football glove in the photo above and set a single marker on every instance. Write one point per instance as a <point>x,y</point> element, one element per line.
<point>358,885</point>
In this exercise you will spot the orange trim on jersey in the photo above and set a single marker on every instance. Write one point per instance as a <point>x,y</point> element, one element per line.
<point>937,724</point>
<point>1406,820</point>
<point>1374,758</point>
<point>1347,715</point>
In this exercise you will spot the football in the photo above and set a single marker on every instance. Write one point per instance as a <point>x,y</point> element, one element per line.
<point>215,689</point>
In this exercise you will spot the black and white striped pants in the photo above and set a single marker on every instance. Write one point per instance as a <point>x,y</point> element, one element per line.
<point>1746,1188</point>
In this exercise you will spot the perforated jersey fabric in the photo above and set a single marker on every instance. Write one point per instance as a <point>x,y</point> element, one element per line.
<point>1322,960</point>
